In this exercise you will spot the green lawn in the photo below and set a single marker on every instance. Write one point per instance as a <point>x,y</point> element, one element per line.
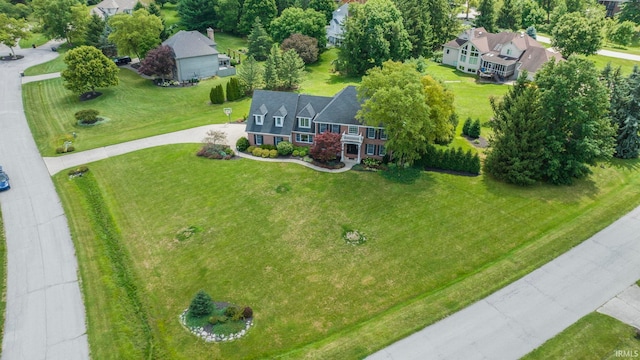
<point>433,247</point>
<point>51,66</point>
<point>35,38</point>
<point>596,336</point>
<point>170,14</point>
<point>136,108</point>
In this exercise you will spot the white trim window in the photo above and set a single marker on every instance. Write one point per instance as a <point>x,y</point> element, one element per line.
<point>335,129</point>
<point>353,130</point>
<point>304,138</point>
<point>371,149</point>
<point>322,128</point>
<point>371,133</point>
<point>258,119</point>
<point>277,140</point>
<point>257,139</point>
<point>278,120</point>
<point>304,122</point>
<point>382,151</point>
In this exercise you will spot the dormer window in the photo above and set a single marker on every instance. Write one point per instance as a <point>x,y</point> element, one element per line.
<point>508,51</point>
<point>278,120</point>
<point>258,119</point>
<point>304,122</point>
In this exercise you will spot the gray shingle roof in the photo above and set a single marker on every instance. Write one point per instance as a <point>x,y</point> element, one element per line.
<point>269,103</point>
<point>186,44</point>
<point>309,106</point>
<point>342,109</point>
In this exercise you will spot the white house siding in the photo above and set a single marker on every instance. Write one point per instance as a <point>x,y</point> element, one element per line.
<point>200,67</point>
<point>450,56</point>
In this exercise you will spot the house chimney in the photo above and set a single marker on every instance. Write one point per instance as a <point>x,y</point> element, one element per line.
<point>210,34</point>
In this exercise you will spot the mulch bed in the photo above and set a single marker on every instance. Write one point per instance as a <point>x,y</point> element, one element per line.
<point>481,142</point>
<point>90,95</point>
<point>9,58</point>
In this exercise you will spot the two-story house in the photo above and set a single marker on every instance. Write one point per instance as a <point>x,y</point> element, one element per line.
<point>107,8</point>
<point>335,30</point>
<point>501,56</point>
<point>277,116</point>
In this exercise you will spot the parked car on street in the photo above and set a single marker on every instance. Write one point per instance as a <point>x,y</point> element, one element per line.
<point>122,60</point>
<point>4,180</point>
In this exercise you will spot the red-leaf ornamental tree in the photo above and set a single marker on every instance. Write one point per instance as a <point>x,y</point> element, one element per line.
<point>158,62</point>
<point>326,147</point>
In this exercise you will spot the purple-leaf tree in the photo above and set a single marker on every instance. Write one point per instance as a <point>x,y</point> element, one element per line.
<point>326,147</point>
<point>158,62</point>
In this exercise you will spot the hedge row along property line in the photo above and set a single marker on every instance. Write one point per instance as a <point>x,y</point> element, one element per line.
<point>106,231</point>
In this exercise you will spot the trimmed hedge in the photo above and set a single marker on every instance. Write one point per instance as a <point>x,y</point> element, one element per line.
<point>451,160</point>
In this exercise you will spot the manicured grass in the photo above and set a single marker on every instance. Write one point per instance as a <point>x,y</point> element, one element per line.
<point>170,14</point>
<point>320,79</point>
<point>596,336</point>
<point>602,61</point>
<point>51,66</point>
<point>36,38</point>
<point>136,108</point>
<point>432,247</point>
<point>226,41</point>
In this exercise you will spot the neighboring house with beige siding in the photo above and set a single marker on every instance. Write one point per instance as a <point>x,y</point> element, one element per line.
<point>277,116</point>
<point>500,56</point>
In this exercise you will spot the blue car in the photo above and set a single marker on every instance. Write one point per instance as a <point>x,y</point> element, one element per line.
<point>4,180</point>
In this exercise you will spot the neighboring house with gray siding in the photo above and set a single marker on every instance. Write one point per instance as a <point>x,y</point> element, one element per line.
<point>196,56</point>
<point>108,8</point>
<point>277,116</point>
<point>335,30</point>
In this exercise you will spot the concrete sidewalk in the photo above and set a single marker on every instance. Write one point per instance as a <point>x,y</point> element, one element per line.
<point>609,53</point>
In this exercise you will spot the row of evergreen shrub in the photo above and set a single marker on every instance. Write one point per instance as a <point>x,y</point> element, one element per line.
<point>471,128</point>
<point>234,92</point>
<point>450,159</point>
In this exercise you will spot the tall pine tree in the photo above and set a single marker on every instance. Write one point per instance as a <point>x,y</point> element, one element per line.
<point>259,41</point>
<point>417,22</point>
<point>508,16</point>
<point>487,17</point>
<point>624,96</point>
<point>444,24</point>
<point>266,10</point>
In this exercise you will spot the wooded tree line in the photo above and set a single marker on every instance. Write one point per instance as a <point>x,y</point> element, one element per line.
<point>551,129</point>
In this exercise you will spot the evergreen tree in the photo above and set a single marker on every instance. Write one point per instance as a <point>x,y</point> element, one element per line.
<point>291,70</point>
<point>153,9</point>
<point>95,28</point>
<point>417,22</point>
<point>250,74</point>
<point>234,89</point>
<point>531,31</point>
<point>325,7</point>
<point>516,150</point>
<point>508,16</point>
<point>487,17</point>
<point>630,12</point>
<point>444,24</point>
<point>624,110</point>
<point>197,14</point>
<point>201,305</point>
<point>266,10</point>
<point>138,6</point>
<point>217,94</point>
<point>271,68</point>
<point>259,41</point>
<point>474,129</point>
<point>228,12</point>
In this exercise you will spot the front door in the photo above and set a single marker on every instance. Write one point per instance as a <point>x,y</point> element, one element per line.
<point>352,149</point>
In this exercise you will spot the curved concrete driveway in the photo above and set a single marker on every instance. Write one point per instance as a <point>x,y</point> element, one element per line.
<point>45,316</point>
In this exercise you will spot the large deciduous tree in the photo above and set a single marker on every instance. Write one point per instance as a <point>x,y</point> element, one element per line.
<point>516,146</point>
<point>87,69</point>
<point>630,12</point>
<point>135,34</point>
<point>158,62</point>
<point>487,16</point>
<point>259,41</point>
<point>531,13</point>
<point>326,146</point>
<point>80,19</point>
<point>576,33</point>
<point>575,104</point>
<point>374,33</point>
<point>297,21</point>
<point>417,22</point>
<point>11,30</point>
<point>325,7</point>
<point>55,17</point>
<point>197,14</point>
<point>305,46</point>
<point>251,9</point>
<point>394,96</point>
<point>228,12</point>
<point>441,109</point>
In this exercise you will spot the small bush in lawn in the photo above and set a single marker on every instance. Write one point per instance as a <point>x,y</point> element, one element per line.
<point>285,148</point>
<point>474,130</point>
<point>296,153</point>
<point>273,154</point>
<point>88,116</point>
<point>466,126</point>
<point>233,312</point>
<point>256,152</point>
<point>247,312</point>
<point>250,149</point>
<point>242,144</point>
<point>201,305</point>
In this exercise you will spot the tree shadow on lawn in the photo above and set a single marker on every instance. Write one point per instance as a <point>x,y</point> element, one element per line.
<point>626,164</point>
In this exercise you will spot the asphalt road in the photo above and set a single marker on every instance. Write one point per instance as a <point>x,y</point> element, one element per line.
<point>45,317</point>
